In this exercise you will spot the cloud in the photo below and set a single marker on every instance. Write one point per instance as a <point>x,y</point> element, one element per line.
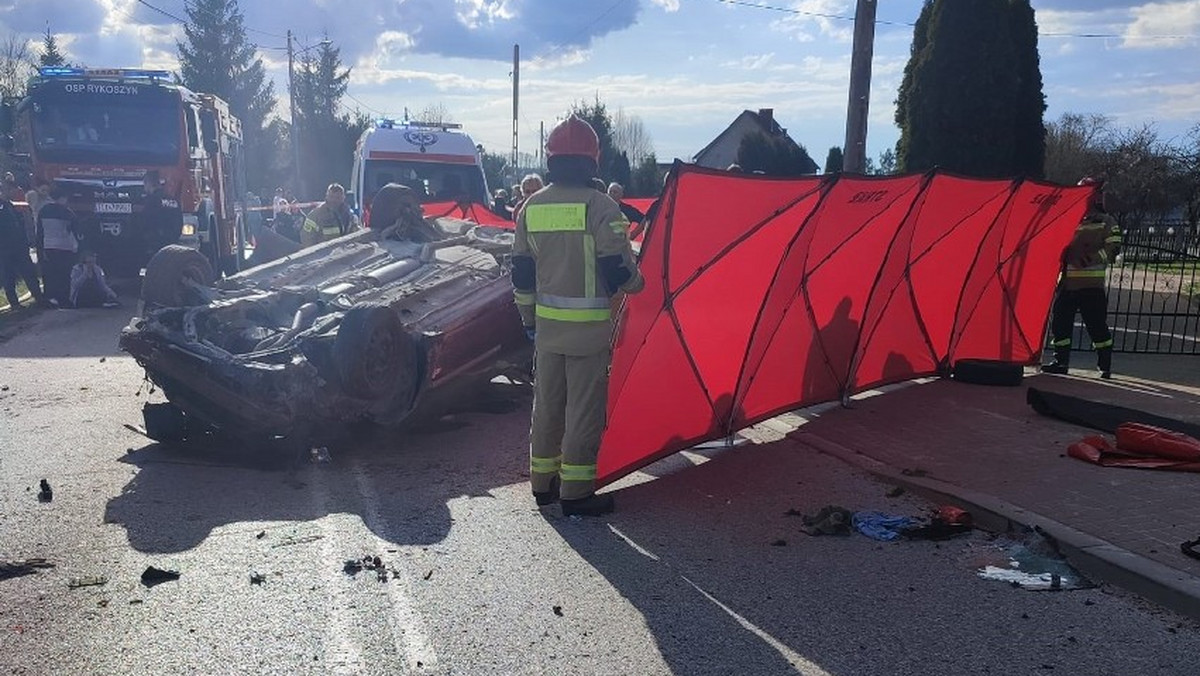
<point>811,19</point>
<point>64,16</point>
<point>668,5</point>
<point>1154,21</point>
<point>750,62</point>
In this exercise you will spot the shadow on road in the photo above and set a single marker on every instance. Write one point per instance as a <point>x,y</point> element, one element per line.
<point>399,481</point>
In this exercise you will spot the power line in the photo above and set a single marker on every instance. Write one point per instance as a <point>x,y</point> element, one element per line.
<point>209,14</point>
<point>353,98</point>
<point>581,31</point>
<point>883,22</point>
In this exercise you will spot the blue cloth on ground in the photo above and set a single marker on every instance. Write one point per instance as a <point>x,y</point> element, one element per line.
<point>880,526</point>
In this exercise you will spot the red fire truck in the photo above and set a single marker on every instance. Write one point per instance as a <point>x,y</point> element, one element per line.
<point>97,133</point>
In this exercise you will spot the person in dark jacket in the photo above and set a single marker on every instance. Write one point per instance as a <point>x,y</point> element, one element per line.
<point>162,219</point>
<point>15,263</point>
<point>56,245</point>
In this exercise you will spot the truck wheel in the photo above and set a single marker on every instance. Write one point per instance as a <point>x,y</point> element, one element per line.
<point>375,358</point>
<point>988,372</point>
<point>167,275</point>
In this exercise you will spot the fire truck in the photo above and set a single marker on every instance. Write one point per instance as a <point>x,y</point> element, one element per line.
<point>96,134</point>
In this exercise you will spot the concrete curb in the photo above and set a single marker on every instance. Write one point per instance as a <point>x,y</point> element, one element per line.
<point>1096,558</point>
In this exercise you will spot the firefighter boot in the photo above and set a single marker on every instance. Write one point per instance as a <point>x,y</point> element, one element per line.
<point>1104,362</point>
<point>548,497</point>
<point>1062,357</point>
<point>592,505</point>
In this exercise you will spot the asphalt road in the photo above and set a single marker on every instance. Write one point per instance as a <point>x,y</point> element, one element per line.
<point>683,579</point>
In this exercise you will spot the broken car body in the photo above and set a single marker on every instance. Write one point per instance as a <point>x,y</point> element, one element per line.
<point>378,325</point>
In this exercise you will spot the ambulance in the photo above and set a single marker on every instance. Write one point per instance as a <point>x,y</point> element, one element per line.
<point>439,162</point>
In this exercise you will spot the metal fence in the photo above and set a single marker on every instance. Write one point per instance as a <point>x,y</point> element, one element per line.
<point>1154,292</point>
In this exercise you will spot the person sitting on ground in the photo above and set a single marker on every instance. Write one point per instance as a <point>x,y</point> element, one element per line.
<point>89,286</point>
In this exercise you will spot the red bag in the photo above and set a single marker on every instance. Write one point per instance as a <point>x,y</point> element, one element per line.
<point>1158,442</point>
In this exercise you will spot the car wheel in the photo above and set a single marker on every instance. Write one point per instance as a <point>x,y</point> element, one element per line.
<point>168,275</point>
<point>988,372</point>
<point>374,356</point>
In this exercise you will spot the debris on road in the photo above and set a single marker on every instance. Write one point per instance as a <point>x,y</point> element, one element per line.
<point>103,359</point>
<point>87,581</point>
<point>830,520</point>
<point>46,494</point>
<point>1036,566</point>
<point>20,568</point>
<point>153,576</point>
<point>257,578</point>
<point>261,535</point>
<point>948,522</point>
<point>882,527</point>
<point>320,455</point>
<point>558,611</point>
<point>896,492</point>
<point>353,567</point>
<point>428,575</point>
<point>1190,548</point>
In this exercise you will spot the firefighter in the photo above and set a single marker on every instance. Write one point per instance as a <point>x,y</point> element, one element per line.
<point>328,221</point>
<point>1081,286</point>
<point>570,258</point>
<point>162,219</point>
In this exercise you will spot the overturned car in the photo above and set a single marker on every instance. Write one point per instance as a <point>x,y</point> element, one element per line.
<point>380,325</point>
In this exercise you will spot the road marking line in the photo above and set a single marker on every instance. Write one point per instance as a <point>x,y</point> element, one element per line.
<point>341,653</point>
<point>408,627</point>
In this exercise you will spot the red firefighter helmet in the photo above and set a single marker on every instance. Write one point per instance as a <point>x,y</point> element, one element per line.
<point>573,136</point>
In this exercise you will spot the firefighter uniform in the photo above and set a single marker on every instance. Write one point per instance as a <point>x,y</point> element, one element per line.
<point>1096,243</point>
<point>324,223</point>
<point>571,256</point>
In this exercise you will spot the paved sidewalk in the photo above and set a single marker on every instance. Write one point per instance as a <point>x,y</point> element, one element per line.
<point>985,448</point>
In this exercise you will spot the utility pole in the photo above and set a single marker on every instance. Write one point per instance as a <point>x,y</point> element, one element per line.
<point>292,95</point>
<point>541,145</point>
<point>516,105</point>
<point>854,155</point>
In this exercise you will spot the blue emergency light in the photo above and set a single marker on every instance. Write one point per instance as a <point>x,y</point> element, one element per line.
<point>123,73</point>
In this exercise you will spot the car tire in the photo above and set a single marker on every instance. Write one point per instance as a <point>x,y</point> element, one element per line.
<point>989,372</point>
<point>168,272</point>
<point>374,357</point>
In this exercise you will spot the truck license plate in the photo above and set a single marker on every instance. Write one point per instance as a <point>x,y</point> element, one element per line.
<point>114,208</point>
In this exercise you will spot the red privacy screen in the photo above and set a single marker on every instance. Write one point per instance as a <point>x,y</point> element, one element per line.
<point>765,295</point>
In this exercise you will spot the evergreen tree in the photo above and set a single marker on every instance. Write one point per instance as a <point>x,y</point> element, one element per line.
<point>51,56</point>
<point>967,102</point>
<point>774,156</point>
<point>614,165</point>
<point>217,58</point>
<point>834,161</point>
<point>887,162</point>
<point>326,137</point>
<point>646,180</point>
<point>1030,107</point>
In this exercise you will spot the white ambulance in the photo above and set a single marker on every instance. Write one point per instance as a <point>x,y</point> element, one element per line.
<point>438,161</point>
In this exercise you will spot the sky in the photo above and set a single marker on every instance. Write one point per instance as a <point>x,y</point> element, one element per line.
<point>685,68</point>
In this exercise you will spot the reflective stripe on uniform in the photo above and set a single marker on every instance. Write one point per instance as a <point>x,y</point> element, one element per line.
<point>1103,344</point>
<point>619,227</point>
<point>1113,239</point>
<point>589,266</point>
<point>1078,274</point>
<point>568,303</point>
<point>556,218</point>
<point>545,465</point>
<point>578,472</point>
<point>523,298</point>
<point>568,315</point>
<point>1065,342</point>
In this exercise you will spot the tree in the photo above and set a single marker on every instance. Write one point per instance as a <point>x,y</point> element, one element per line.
<point>51,56</point>
<point>495,169</point>
<point>614,164</point>
<point>647,178</point>
<point>1076,145</point>
<point>971,98</point>
<point>435,113</point>
<point>774,156</point>
<point>630,137</point>
<point>326,138</point>
<point>834,161</point>
<point>17,65</point>
<point>217,58</point>
<point>887,162</point>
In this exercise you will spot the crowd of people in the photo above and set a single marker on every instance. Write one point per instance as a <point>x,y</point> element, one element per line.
<point>64,274</point>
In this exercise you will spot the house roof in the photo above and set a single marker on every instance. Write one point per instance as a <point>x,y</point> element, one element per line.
<point>765,120</point>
